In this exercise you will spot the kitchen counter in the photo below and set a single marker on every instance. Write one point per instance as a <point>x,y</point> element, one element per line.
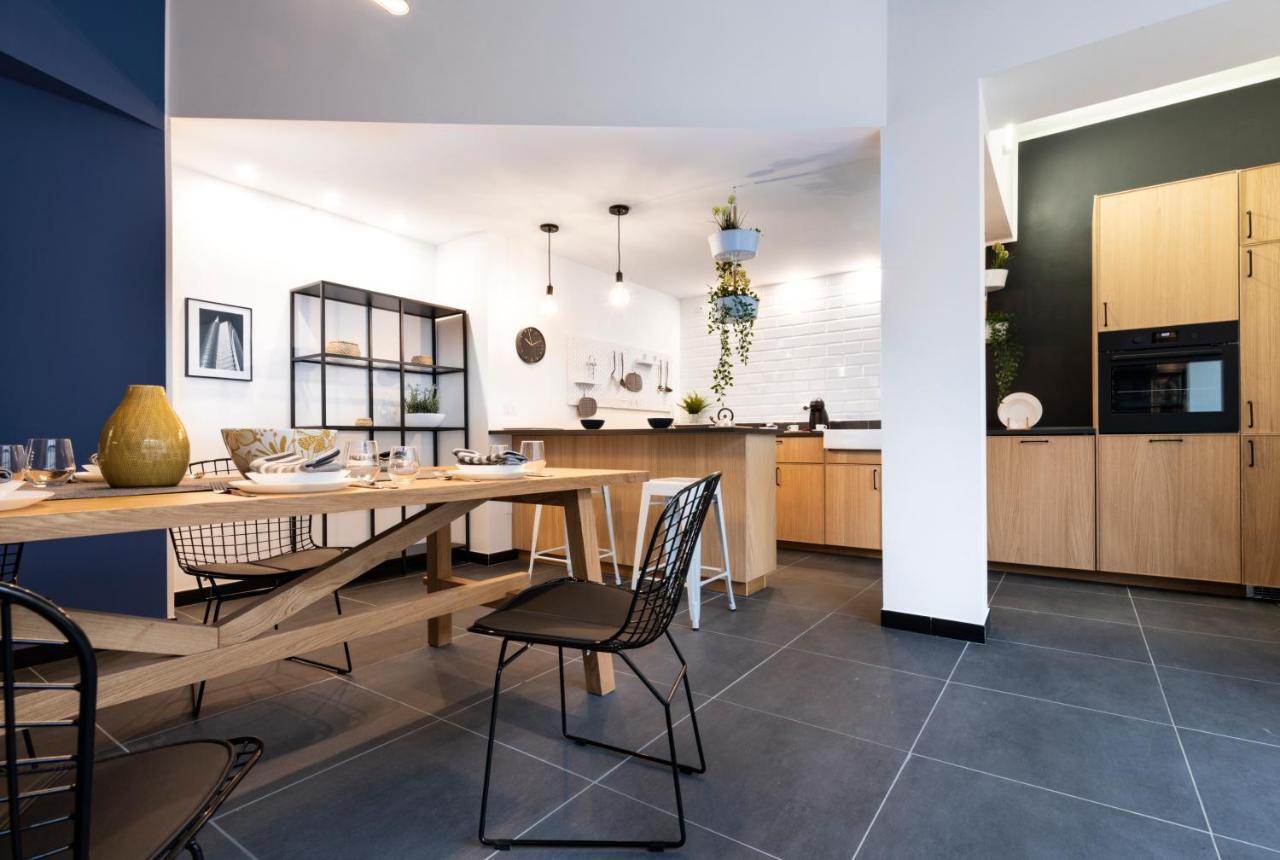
<point>1042,431</point>
<point>683,430</point>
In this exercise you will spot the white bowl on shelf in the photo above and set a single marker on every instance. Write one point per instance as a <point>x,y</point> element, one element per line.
<point>423,419</point>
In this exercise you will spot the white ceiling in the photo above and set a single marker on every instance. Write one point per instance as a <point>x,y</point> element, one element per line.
<point>814,193</point>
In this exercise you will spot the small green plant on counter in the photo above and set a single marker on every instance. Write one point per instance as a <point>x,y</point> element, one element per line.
<point>726,217</point>
<point>694,403</point>
<point>422,399</point>
<point>1006,351</point>
<point>731,313</point>
<point>999,256</point>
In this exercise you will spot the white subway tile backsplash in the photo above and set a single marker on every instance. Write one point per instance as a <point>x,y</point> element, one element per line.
<point>816,338</point>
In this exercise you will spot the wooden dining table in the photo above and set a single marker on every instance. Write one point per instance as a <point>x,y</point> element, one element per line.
<point>140,656</point>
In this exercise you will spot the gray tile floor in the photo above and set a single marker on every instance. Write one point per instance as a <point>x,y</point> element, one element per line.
<point>1098,721</point>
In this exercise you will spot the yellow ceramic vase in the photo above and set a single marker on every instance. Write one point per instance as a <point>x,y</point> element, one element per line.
<point>143,443</point>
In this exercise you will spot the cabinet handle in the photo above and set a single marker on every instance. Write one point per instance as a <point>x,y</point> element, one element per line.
<point>1250,453</point>
<point>1249,403</point>
<point>1033,441</point>
<point>875,478</point>
<point>777,476</point>
<point>1153,441</point>
<point>1248,217</point>
<point>1249,254</point>
<point>1104,314</point>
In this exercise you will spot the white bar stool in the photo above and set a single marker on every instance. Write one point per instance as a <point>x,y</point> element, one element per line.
<point>658,491</point>
<point>536,555</point>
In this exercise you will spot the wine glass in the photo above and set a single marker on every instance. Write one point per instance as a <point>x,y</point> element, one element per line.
<point>403,464</point>
<point>498,450</point>
<point>535,453</point>
<point>50,461</point>
<point>13,459</point>
<point>361,459</point>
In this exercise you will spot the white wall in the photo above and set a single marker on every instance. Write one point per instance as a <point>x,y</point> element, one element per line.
<point>814,338</point>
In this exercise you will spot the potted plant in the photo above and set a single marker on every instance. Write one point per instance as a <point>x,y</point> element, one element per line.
<point>732,242</point>
<point>997,272</point>
<point>692,405</point>
<point>422,407</point>
<point>731,313</point>
<point>1006,351</point>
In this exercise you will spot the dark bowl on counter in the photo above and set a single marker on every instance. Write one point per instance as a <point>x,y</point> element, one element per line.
<point>660,423</point>
<point>592,423</point>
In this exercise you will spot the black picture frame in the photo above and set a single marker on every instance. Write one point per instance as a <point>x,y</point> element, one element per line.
<point>219,340</point>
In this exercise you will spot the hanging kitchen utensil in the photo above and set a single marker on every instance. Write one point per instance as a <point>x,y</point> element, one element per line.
<point>632,381</point>
<point>586,403</point>
<point>591,369</point>
<point>613,366</point>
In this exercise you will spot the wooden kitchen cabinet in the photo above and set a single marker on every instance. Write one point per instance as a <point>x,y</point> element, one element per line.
<point>1260,204</point>
<point>1040,501</point>
<point>801,498</point>
<point>1170,506</point>
<point>1167,254</point>
<point>1260,510</point>
<point>799,449</point>
<point>1260,339</point>
<point>853,505</point>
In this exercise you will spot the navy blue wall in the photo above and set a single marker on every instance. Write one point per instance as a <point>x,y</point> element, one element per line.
<point>82,258</point>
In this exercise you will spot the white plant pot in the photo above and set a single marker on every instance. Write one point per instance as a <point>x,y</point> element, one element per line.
<point>738,307</point>
<point>687,420</point>
<point>423,419</point>
<point>995,279</point>
<point>735,245</point>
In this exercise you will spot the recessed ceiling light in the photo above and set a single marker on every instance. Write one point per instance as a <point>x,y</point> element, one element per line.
<point>395,7</point>
<point>332,199</point>
<point>247,173</point>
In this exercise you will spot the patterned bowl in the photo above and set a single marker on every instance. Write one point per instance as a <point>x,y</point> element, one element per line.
<point>246,444</point>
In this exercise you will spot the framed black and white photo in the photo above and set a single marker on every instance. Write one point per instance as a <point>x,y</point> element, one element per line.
<point>219,340</point>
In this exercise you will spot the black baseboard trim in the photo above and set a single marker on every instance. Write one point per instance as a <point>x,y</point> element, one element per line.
<point>933,626</point>
<point>488,558</point>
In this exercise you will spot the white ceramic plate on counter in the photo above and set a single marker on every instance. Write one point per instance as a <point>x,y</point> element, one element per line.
<point>292,488</point>
<point>23,498</point>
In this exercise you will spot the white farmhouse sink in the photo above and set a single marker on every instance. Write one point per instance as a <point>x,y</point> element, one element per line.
<point>851,440</point>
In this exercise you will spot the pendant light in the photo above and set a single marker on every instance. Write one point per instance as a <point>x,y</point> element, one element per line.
<point>619,295</point>
<point>549,306</point>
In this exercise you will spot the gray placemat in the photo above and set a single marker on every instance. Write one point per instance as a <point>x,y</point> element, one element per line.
<point>99,490</point>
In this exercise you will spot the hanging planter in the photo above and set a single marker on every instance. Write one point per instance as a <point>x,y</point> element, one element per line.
<point>738,307</point>
<point>731,314</point>
<point>997,274</point>
<point>732,243</point>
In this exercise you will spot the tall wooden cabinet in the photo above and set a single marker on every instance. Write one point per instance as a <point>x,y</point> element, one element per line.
<point>1260,510</point>
<point>1170,506</point>
<point>1260,338</point>
<point>1167,254</point>
<point>1040,501</point>
<point>1260,204</point>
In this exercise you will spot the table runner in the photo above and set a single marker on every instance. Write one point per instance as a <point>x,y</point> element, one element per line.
<point>100,490</point>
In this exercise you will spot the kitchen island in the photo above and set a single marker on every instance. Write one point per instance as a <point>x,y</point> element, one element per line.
<point>744,456</point>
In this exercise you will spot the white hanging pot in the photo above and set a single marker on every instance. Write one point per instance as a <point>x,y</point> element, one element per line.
<point>733,245</point>
<point>995,279</point>
<point>738,307</point>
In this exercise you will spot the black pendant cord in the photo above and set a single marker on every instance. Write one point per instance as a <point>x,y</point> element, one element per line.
<point>619,246</point>
<point>549,229</point>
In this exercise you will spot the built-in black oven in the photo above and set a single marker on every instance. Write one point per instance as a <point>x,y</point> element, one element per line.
<point>1179,379</point>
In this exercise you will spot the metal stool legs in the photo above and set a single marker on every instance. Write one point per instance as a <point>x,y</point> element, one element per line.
<point>672,762</point>
<point>536,555</point>
<point>695,581</point>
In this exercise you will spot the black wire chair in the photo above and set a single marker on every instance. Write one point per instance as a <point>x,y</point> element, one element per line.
<point>243,559</point>
<point>152,803</point>
<point>10,561</point>
<point>592,616</point>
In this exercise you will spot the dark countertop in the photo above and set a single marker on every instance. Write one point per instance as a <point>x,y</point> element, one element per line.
<point>633,431</point>
<point>1042,431</point>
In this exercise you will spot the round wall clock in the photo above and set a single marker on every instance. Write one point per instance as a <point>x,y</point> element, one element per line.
<point>531,346</point>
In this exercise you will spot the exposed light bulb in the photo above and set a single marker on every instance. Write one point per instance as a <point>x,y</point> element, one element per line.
<point>395,7</point>
<point>619,295</point>
<point>549,306</point>
<point>247,173</point>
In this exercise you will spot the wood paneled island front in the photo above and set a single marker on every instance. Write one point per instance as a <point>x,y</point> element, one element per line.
<point>744,456</point>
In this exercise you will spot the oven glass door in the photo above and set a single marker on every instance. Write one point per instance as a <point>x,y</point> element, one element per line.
<point>1168,384</point>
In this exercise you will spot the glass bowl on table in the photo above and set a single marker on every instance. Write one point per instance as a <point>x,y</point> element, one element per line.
<point>361,460</point>
<point>403,465</point>
<point>50,461</point>
<point>535,453</point>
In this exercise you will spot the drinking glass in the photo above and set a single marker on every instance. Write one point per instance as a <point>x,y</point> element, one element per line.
<point>498,450</point>
<point>536,453</point>
<point>13,459</point>
<point>403,464</point>
<point>50,461</point>
<point>361,459</point>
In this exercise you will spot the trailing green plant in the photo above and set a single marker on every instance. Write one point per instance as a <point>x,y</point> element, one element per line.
<point>735,329</point>
<point>726,217</point>
<point>999,256</point>
<point>694,403</point>
<point>1006,350</point>
<point>422,399</point>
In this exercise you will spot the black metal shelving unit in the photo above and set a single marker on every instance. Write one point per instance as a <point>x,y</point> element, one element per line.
<point>326,292</point>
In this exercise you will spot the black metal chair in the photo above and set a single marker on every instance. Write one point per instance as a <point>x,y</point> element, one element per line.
<point>10,561</point>
<point>248,558</point>
<point>146,804</point>
<point>592,616</point>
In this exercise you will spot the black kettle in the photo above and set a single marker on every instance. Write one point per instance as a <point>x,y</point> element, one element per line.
<point>818,414</point>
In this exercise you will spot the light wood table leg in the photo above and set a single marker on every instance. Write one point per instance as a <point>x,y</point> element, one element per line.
<point>580,517</point>
<point>439,568</point>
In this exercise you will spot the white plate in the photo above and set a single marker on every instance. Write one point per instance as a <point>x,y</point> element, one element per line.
<point>90,477</point>
<point>299,477</point>
<point>482,472</point>
<point>487,476</point>
<point>1020,411</point>
<point>291,489</point>
<point>23,498</point>
<point>7,487</point>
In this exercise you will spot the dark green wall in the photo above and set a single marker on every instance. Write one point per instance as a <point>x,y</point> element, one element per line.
<point>1058,175</point>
